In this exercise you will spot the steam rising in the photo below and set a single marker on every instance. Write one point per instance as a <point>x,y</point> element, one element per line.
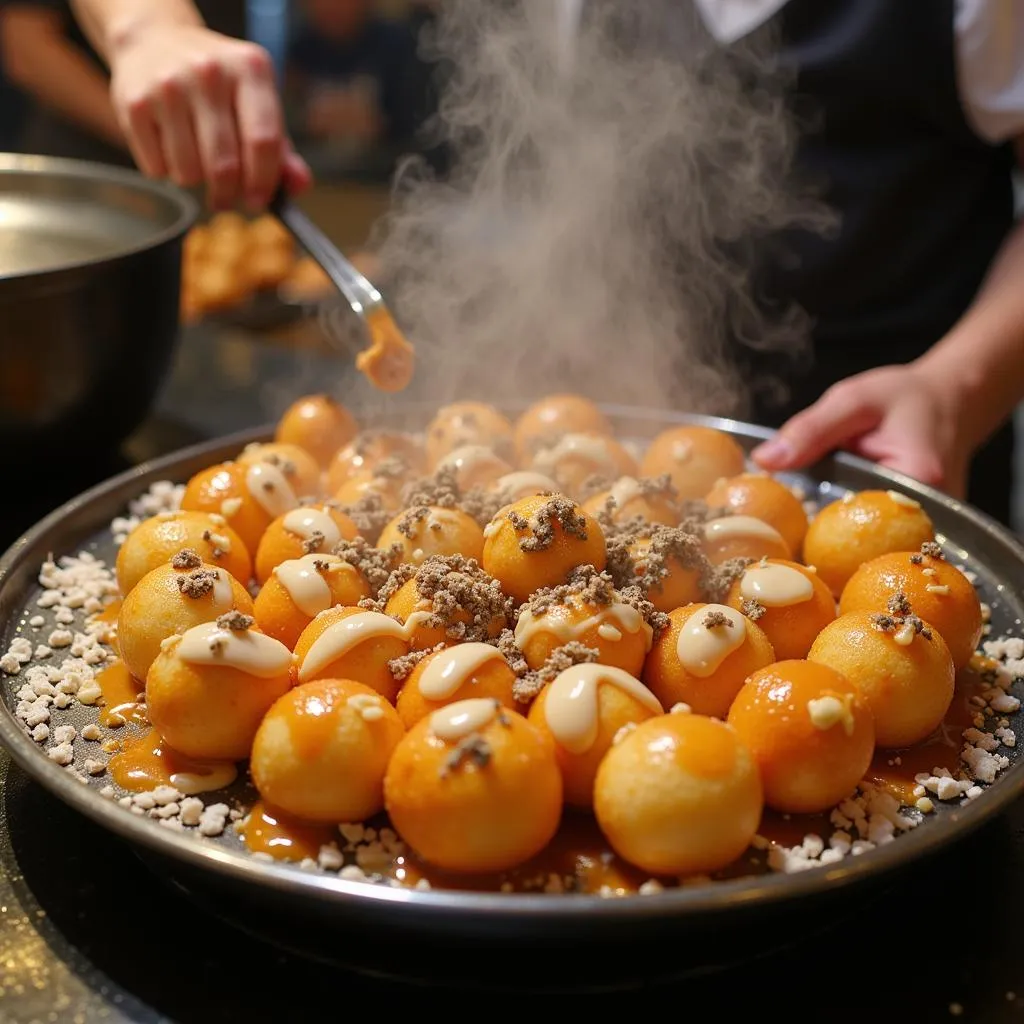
<point>592,231</point>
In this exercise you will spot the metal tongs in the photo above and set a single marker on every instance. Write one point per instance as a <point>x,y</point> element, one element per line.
<point>388,361</point>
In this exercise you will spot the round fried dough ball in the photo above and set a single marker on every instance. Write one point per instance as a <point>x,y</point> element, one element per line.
<point>319,425</point>
<point>574,459</point>
<point>554,416</point>
<point>902,669</point>
<point>368,449</point>
<point>321,752</point>
<point>309,529</point>
<point>172,598</point>
<point>743,537</point>
<point>811,734</point>
<point>474,465</point>
<point>704,657</point>
<point>431,530</point>
<point>765,498</point>
<point>679,795</point>
<point>299,468</point>
<point>859,527</point>
<point>695,458</point>
<point>467,423</point>
<point>937,592</point>
<point>669,565</point>
<point>474,788</point>
<point>627,498</point>
<point>156,540</point>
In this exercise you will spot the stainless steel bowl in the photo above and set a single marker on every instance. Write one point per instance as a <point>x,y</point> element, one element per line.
<point>90,276</point>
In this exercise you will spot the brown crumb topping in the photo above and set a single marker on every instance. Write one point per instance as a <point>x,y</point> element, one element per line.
<point>236,621</point>
<point>752,609</point>
<point>649,567</point>
<point>634,597</point>
<point>217,551</point>
<point>369,514</point>
<point>716,580</point>
<point>593,485</point>
<point>585,585</point>
<point>440,490</point>
<point>407,526</point>
<point>375,565</point>
<point>530,682</point>
<point>314,542</point>
<point>198,583</point>
<point>541,525</point>
<point>186,558</point>
<point>471,751</point>
<point>713,619</point>
<point>931,550</point>
<point>898,604</point>
<point>899,616</point>
<point>401,668</point>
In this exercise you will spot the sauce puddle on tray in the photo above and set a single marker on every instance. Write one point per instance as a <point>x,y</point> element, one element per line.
<point>145,762</point>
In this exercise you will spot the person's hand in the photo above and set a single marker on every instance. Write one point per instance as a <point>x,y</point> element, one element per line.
<point>197,106</point>
<point>898,416</point>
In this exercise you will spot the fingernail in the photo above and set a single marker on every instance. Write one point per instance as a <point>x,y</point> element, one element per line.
<point>777,451</point>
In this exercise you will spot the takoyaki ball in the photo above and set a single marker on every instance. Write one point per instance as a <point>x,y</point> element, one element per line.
<point>350,643</point>
<point>669,566</point>
<point>765,498</point>
<point>743,537</point>
<point>299,468</point>
<point>859,527</point>
<point>788,601</point>
<point>474,465</point>
<point>537,541</point>
<point>425,531</point>
<point>307,530</point>
<point>267,232</point>
<point>459,672</point>
<point>679,795</point>
<point>583,709</point>
<point>588,611</point>
<point>472,606</point>
<point>554,416</point>
<point>628,498</point>
<point>301,588</point>
<point>219,286</point>
<point>810,731</point>
<point>172,598</point>
<point>462,424</point>
<point>208,690</point>
<point>704,657</point>
<point>371,447</point>
<point>306,281</point>
<point>156,540</point>
<point>267,268</point>
<point>901,668</point>
<point>937,592</point>
<point>241,495</point>
<point>695,458</point>
<point>386,486</point>
<point>474,788</point>
<point>573,459</point>
<point>522,483</point>
<point>321,751</point>
<point>317,424</point>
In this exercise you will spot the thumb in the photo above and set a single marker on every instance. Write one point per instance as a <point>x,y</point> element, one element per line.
<point>842,413</point>
<point>295,171</point>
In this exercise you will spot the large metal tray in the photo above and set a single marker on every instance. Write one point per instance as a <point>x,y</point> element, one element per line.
<point>324,900</point>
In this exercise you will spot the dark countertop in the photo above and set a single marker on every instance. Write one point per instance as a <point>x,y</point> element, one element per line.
<point>89,932</point>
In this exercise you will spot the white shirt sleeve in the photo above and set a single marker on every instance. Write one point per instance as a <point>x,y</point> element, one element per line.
<point>990,66</point>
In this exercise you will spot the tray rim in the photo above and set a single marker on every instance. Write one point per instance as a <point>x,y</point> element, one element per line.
<point>763,891</point>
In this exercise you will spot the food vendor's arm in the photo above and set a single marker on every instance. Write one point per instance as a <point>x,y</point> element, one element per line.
<point>926,418</point>
<point>38,57</point>
<point>196,106</point>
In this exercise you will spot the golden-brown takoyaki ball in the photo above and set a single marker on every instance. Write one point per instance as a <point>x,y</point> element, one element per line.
<point>788,601</point>
<point>459,672</point>
<point>522,483</point>
<point>219,286</point>
<point>628,498</point>
<point>463,424</point>
<point>385,486</point>
<point>859,527</point>
<point>537,541</point>
<point>299,468</point>
<point>573,459</point>
<point>350,643</point>
<point>743,537</point>
<point>474,465</point>
<point>601,621</point>
<point>317,424</point>
<point>306,280</point>
<point>669,565</point>
<point>208,690</point>
<point>554,416</point>
<point>322,750</point>
<point>765,498</point>
<point>902,670</point>
<point>704,657</point>
<point>426,531</point>
<point>156,540</point>
<point>695,458</point>
<point>811,734</point>
<point>267,268</point>
<point>299,589</point>
<point>224,489</point>
<point>679,795</point>
<point>371,447</point>
<point>474,788</point>
<point>169,599</point>
<point>583,709</point>
<point>266,231</point>
<point>937,592</point>
<point>309,529</point>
